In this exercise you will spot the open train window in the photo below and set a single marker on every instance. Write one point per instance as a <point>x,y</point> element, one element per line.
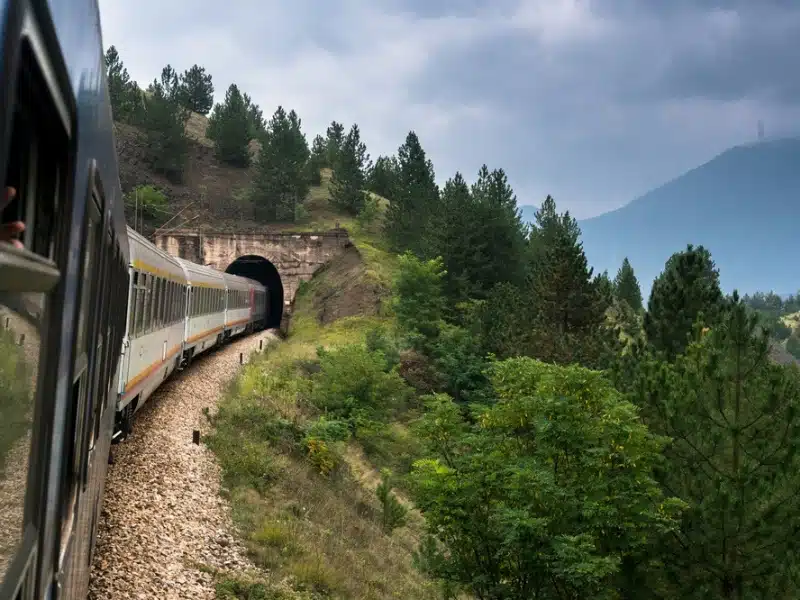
<point>37,164</point>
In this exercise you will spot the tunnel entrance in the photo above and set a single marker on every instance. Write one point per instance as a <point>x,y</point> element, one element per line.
<point>263,271</point>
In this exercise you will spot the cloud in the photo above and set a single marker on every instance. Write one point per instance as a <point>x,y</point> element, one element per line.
<point>594,102</point>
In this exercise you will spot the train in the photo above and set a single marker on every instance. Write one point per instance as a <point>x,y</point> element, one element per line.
<point>93,317</point>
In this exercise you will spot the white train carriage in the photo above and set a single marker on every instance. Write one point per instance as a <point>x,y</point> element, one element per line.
<point>205,321</point>
<point>259,305</point>
<point>155,327</point>
<point>239,306</point>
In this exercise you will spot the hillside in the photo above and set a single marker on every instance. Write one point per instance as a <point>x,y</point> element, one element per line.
<point>212,195</point>
<point>742,205</point>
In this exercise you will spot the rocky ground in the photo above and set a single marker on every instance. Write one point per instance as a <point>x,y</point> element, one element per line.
<point>164,525</point>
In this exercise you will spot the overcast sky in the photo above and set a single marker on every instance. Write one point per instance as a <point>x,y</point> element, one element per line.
<point>594,102</point>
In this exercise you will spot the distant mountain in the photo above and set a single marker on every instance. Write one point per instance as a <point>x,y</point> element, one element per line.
<point>743,205</point>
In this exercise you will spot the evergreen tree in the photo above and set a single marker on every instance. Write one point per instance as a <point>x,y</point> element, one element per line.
<point>124,94</point>
<point>164,122</point>
<point>280,183</point>
<point>733,417</point>
<point>317,160</point>
<point>570,322</point>
<point>170,84</point>
<point>257,124</point>
<point>414,200</point>
<point>383,176</point>
<point>687,288</point>
<point>334,137</point>
<point>230,127</point>
<point>196,90</point>
<point>605,287</point>
<point>626,286</point>
<point>349,174</point>
<point>503,230</point>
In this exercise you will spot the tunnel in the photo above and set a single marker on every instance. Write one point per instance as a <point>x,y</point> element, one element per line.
<point>263,271</point>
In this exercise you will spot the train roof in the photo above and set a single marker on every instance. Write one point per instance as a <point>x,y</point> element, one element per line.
<point>201,275</point>
<point>144,256</point>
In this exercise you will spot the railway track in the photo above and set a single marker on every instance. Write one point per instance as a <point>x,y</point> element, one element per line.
<point>163,514</point>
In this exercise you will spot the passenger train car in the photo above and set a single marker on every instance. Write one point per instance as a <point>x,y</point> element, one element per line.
<point>92,316</point>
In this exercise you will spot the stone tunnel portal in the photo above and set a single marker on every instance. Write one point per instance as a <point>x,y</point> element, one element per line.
<point>263,271</point>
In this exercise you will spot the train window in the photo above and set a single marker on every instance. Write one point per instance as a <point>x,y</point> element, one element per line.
<point>81,378</point>
<point>139,293</point>
<point>148,305</point>
<point>132,304</point>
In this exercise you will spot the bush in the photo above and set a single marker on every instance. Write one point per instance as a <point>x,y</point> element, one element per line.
<point>354,383</point>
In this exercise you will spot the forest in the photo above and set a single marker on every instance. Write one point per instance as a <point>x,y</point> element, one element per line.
<point>566,438</point>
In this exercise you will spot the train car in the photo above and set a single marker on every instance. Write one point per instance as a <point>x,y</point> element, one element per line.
<point>156,322</point>
<point>61,328</point>
<point>205,320</point>
<point>259,305</point>
<point>238,305</point>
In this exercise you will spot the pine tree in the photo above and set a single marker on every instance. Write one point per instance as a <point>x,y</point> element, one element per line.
<point>733,417</point>
<point>626,286</point>
<point>570,321</point>
<point>414,200</point>
<point>686,289</point>
<point>383,176</point>
<point>196,90</point>
<point>164,122</point>
<point>124,94</point>
<point>503,230</point>
<point>334,137</point>
<point>258,125</point>
<point>349,174</point>
<point>318,160</point>
<point>455,233</point>
<point>170,84</point>
<point>230,128</point>
<point>280,183</point>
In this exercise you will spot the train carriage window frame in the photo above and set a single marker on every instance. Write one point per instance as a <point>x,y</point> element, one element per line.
<point>36,101</point>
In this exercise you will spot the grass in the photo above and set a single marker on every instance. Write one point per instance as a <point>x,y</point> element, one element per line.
<point>313,535</point>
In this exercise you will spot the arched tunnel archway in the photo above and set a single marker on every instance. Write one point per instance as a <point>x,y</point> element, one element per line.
<point>263,271</point>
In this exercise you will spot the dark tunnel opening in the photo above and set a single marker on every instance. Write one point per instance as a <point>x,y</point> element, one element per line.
<point>263,271</point>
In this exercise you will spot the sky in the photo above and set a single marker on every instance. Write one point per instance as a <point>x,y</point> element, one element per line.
<point>592,101</point>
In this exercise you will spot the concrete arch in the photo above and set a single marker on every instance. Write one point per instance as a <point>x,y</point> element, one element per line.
<point>262,270</point>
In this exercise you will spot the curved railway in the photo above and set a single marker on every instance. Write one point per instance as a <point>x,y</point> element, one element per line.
<point>93,317</point>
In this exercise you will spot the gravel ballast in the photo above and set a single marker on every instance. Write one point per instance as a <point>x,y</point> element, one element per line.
<point>163,517</point>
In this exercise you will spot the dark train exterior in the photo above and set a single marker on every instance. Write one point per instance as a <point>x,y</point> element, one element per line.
<point>78,299</point>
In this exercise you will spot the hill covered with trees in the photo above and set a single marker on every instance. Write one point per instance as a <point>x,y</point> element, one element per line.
<point>498,421</point>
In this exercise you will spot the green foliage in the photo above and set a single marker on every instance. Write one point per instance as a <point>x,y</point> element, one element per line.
<point>124,94</point>
<point>334,137</point>
<point>149,201</point>
<point>569,324</point>
<point>377,340</point>
<point>626,286</point>
<point>686,290</point>
<point>793,344</point>
<point>733,416</point>
<point>280,183</point>
<point>317,160</point>
<point>383,176</point>
<point>355,384</point>
<point>164,122</point>
<point>418,303</point>
<point>413,200</point>
<point>548,495</point>
<point>196,90</point>
<point>349,174</point>
<point>230,128</point>
<point>393,513</point>
<point>478,234</point>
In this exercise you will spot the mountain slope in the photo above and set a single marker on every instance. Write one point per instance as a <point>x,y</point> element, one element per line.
<point>743,205</point>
